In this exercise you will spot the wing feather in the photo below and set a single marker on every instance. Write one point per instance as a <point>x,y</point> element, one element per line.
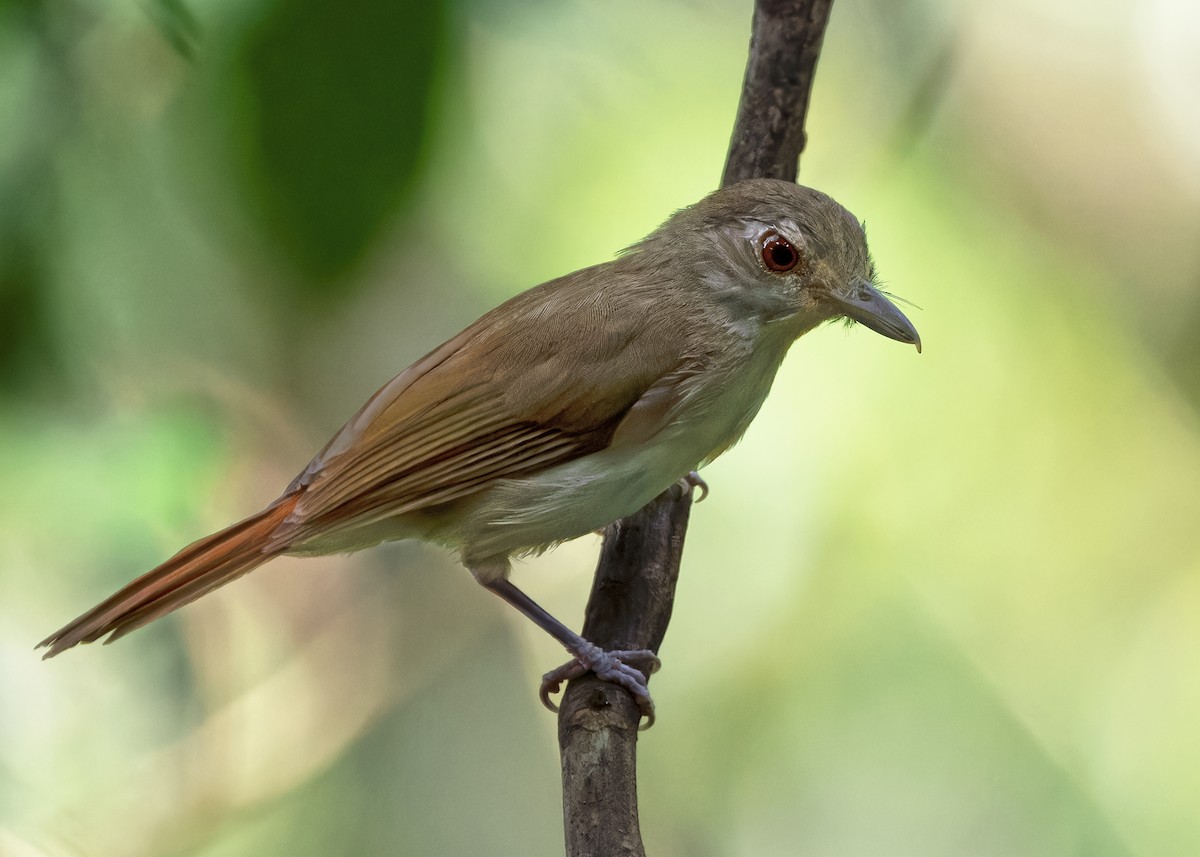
<point>390,457</point>
<point>512,394</point>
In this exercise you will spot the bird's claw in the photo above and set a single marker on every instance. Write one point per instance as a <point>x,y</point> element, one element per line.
<point>616,667</point>
<point>691,482</point>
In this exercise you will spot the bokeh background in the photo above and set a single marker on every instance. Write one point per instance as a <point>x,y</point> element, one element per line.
<point>942,604</point>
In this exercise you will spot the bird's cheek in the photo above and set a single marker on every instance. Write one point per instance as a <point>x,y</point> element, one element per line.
<point>807,311</point>
<point>806,300</point>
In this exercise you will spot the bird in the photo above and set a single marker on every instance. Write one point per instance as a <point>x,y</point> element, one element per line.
<point>570,406</point>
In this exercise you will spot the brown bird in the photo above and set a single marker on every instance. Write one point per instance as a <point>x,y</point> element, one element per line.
<point>569,406</point>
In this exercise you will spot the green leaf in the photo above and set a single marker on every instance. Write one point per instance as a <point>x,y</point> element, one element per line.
<point>338,98</point>
<point>177,24</point>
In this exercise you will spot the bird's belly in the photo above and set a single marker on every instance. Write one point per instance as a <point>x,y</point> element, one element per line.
<point>569,500</point>
<point>534,512</point>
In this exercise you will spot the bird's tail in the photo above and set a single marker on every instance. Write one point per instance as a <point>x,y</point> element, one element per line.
<point>196,570</point>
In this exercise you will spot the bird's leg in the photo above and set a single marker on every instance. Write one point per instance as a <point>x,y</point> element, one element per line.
<point>693,481</point>
<point>617,667</point>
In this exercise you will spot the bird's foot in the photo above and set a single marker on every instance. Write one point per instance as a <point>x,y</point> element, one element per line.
<point>692,482</point>
<point>629,669</point>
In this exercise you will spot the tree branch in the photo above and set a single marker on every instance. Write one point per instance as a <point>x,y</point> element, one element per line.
<point>634,588</point>
<point>785,44</point>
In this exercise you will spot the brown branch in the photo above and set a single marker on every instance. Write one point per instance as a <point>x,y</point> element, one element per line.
<point>785,44</point>
<point>634,588</point>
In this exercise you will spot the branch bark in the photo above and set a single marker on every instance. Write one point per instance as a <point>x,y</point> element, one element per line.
<point>785,44</point>
<point>634,588</point>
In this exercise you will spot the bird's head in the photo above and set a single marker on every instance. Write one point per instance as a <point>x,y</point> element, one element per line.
<point>781,253</point>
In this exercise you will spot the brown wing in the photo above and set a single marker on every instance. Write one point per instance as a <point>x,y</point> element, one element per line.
<point>543,379</point>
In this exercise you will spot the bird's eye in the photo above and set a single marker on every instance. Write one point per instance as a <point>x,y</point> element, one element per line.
<point>778,254</point>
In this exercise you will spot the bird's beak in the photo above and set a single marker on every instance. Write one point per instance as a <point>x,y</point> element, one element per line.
<point>866,305</point>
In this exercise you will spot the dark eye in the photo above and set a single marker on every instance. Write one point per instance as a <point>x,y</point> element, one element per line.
<point>778,254</point>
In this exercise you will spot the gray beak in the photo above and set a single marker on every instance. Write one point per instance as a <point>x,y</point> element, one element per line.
<point>868,307</point>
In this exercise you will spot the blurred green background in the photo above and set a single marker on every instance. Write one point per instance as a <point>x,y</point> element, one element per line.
<point>943,604</point>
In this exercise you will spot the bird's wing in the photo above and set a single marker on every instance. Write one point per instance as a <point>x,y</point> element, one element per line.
<point>546,378</point>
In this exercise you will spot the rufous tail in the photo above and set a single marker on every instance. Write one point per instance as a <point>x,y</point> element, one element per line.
<point>196,570</point>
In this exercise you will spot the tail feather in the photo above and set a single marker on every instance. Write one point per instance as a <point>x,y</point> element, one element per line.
<point>196,570</point>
